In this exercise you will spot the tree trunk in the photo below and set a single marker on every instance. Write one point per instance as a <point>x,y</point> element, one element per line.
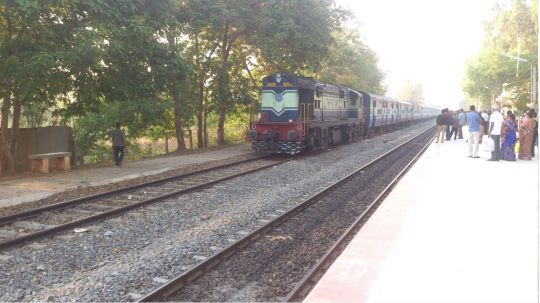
<point>200,141</point>
<point>7,165</point>
<point>223,84</point>
<point>171,39</point>
<point>201,119</point>
<point>205,127</point>
<point>190,138</point>
<point>167,143</point>
<point>222,101</point>
<point>221,127</point>
<point>178,124</point>
<point>16,123</point>
<point>221,107</point>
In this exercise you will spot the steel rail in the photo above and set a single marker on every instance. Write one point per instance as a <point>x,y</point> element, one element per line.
<point>197,270</point>
<point>312,277</point>
<point>92,218</point>
<point>36,211</point>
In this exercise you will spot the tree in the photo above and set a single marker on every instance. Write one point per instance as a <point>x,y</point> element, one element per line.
<point>296,35</point>
<point>157,65</point>
<point>278,34</point>
<point>352,63</point>
<point>514,32</point>
<point>82,56</point>
<point>33,38</point>
<point>237,19</point>
<point>412,91</point>
<point>200,52</point>
<point>175,68</point>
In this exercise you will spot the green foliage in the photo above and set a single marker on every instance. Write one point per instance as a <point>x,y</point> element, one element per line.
<point>161,66</point>
<point>412,92</point>
<point>511,32</point>
<point>236,128</point>
<point>352,63</point>
<point>95,127</point>
<point>296,35</point>
<point>98,154</point>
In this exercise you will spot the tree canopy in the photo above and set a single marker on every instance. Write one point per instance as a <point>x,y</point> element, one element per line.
<point>412,91</point>
<point>160,67</point>
<point>511,34</point>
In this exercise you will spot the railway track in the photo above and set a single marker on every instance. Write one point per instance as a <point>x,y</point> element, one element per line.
<point>47,220</point>
<point>283,259</point>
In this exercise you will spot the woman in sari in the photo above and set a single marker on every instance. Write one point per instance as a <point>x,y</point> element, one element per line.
<point>508,138</point>
<point>526,136</point>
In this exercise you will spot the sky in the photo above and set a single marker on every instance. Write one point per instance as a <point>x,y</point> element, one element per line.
<point>426,41</point>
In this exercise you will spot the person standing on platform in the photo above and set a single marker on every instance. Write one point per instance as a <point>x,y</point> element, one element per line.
<point>448,116</point>
<point>496,120</point>
<point>461,120</point>
<point>535,131</point>
<point>508,137</point>
<point>473,119</point>
<point>454,123</point>
<point>441,126</point>
<point>117,136</point>
<point>526,130</point>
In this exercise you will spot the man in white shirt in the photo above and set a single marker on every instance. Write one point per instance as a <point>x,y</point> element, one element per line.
<point>496,120</point>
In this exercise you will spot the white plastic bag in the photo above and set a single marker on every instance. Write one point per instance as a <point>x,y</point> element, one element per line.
<point>488,145</point>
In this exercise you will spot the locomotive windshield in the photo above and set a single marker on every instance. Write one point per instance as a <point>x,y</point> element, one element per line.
<point>281,105</point>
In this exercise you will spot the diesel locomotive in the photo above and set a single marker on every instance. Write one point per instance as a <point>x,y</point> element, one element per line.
<point>299,113</point>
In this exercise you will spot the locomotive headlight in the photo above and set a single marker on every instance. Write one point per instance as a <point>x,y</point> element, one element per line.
<point>290,120</point>
<point>253,134</point>
<point>292,135</point>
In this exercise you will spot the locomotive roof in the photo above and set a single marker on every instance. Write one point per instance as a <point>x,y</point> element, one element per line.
<point>310,83</point>
<point>297,81</point>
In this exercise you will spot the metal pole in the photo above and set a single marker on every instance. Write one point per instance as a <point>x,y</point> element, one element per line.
<point>533,84</point>
<point>517,60</point>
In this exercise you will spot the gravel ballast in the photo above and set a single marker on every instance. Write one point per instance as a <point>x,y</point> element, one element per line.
<point>123,258</point>
<point>268,268</point>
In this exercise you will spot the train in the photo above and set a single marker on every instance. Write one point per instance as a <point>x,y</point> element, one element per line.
<point>300,114</point>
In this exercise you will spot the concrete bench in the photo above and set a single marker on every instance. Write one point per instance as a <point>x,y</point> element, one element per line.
<point>41,162</point>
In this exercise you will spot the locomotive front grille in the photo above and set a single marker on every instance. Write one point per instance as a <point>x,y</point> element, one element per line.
<point>279,147</point>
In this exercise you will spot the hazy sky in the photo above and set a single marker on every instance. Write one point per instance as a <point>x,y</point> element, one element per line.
<point>427,41</point>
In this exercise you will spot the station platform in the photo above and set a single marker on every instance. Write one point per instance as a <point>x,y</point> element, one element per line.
<point>455,229</point>
<point>31,187</point>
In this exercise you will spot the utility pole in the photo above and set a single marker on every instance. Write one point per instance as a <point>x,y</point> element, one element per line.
<point>533,75</point>
<point>533,86</point>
